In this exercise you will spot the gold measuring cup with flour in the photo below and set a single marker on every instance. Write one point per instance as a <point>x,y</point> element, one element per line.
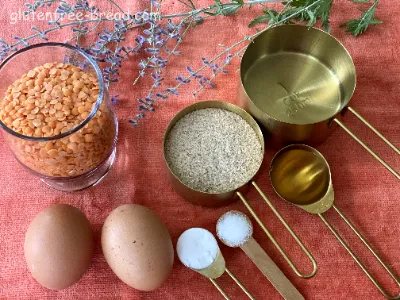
<point>301,175</point>
<point>213,150</point>
<point>297,81</point>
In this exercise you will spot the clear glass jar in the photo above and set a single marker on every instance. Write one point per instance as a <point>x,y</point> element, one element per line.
<point>75,153</point>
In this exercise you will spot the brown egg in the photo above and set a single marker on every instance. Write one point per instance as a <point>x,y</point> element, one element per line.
<point>137,246</point>
<point>59,246</point>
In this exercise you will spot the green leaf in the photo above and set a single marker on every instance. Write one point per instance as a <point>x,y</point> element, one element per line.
<point>359,26</point>
<point>230,10</point>
<point>376,22</point>
<point>323,12</point>
<point>260,19</point>
<point>311,15</point>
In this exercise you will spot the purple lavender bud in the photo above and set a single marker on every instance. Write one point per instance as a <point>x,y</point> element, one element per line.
<point>153,60</point>
<point>206,62</point>
<point>163,31</point>
<point>147,32</point>
<point>133,122</point>
<point>183,80</point>
<point>54,22</point>
<point>198,19</point>
<point>175,35</point>
<point>146,16</point>
<point>140,39</point>
<point>173,91</point>
<point>152,50</point>
<point>170,26</point>
<point>25,43</point>
<point>156,76</point>
<point>228,59</point>
<point>142,64</point>
<point>189,69</point>
<point>114,99</point>
<point>161,96</point>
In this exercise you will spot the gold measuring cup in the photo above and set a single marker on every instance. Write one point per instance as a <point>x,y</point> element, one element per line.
<point>301,176</point>
<point>210,199</point>
<point>296,81</point>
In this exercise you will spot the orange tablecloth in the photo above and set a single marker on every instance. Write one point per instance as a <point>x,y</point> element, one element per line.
<point>366,192</point>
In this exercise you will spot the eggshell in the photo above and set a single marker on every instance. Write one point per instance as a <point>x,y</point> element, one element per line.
<point>58,246</point>
<point>137,246</point>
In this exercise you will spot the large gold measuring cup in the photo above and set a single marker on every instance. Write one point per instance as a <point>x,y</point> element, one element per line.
<point>301,175</point>
<point>296,81</point>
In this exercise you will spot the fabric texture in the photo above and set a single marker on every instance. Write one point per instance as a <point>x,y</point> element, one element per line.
<point>364,190</point>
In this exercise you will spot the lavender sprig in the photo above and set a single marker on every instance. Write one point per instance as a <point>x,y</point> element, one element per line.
<point>9,48</point>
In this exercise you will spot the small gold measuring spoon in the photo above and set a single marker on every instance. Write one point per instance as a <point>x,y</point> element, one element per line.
<point>234,229</point>
<point>301,176</point>
<point>198,250</point>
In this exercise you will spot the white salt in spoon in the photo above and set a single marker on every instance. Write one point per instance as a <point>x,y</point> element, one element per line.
<point>198,250</point>
<point>234,229</point>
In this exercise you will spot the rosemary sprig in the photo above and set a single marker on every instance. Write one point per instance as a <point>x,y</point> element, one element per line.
<point>359,26</point>
<point>296,7</point>
<point>220,8</point>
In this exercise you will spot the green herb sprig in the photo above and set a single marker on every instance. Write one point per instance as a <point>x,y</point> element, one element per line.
<point>311,15</point>
<point>321,12</point>
<point>359,26</point>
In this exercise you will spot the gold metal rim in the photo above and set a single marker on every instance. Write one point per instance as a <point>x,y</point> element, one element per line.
<point>329,189</point>
<point>254,41</point>
<point>213,104</point>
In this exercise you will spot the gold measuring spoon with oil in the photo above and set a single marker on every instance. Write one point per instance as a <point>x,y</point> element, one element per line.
<point>301,176</point>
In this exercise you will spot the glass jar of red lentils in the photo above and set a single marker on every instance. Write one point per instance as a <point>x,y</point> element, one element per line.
<point>56,115</point>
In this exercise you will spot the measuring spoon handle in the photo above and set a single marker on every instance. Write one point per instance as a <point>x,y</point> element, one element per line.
<point>267,266</point>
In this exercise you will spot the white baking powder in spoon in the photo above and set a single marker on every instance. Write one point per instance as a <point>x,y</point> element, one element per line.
<point>197,248</point>
<point>234,228</point>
